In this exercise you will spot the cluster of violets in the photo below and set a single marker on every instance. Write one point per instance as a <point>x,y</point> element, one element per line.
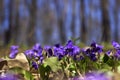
<point>116,51</point>
<point>37,54</point>
<point>69,50</point>
<point>94,51</point>
<point>36,57</point>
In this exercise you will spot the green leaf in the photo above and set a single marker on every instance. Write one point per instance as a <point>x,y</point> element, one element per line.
<point>44,71</point>
<point>105,67</point>
<point>28,75</point>
<point>111,62</point>
<point>118,69</point>
<point>105,58</point>
<point>71,67</point>
<point>53,63</point>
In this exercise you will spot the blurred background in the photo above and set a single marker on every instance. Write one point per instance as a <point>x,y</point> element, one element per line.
<point>56,21</point>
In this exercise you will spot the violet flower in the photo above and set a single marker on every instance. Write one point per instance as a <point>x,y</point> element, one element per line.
<point>8,76</point>
<point>35,53</point>
<point>92,76</point>
<point>35,65</point>
<point>115,45</point>
<point>37,49</point>
<point>71,49</point>
<point>108,53</point>
<point>93,51</point>
<point>13,51</point>
<point>95,76</point>
<point>58,51</point>
<point>96,48</point>
<point>29,53</point>
<point>48,50</point>
<point>117,49</point>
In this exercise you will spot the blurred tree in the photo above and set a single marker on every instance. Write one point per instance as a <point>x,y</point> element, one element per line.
<point>1,11</point>
<point>83,28</point>
<point>116,19</point>
<point>105,21</point>
<point>1,21</point>
<point>31,30</point>
<point>12,32</point>
<point>51,21</point>
<point>61,20</point>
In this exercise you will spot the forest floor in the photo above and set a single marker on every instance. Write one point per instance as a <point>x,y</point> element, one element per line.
<point>21,61</point>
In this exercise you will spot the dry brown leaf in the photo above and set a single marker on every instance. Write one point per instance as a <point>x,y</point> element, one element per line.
<point>19,61</point>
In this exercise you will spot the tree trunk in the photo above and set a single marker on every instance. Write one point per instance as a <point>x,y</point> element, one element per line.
<point>105,21</point>
<point>31,29</point>
<point>1,21</point>
<point>83,27</point>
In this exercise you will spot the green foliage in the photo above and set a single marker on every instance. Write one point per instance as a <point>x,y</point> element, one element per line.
<point>44,71</point>
<point>50,65</point>
<point>105,58</point>
<point>53,63</point>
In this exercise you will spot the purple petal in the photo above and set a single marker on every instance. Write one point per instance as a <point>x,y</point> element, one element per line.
<point>115,45</point>
<point>35,65</point>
